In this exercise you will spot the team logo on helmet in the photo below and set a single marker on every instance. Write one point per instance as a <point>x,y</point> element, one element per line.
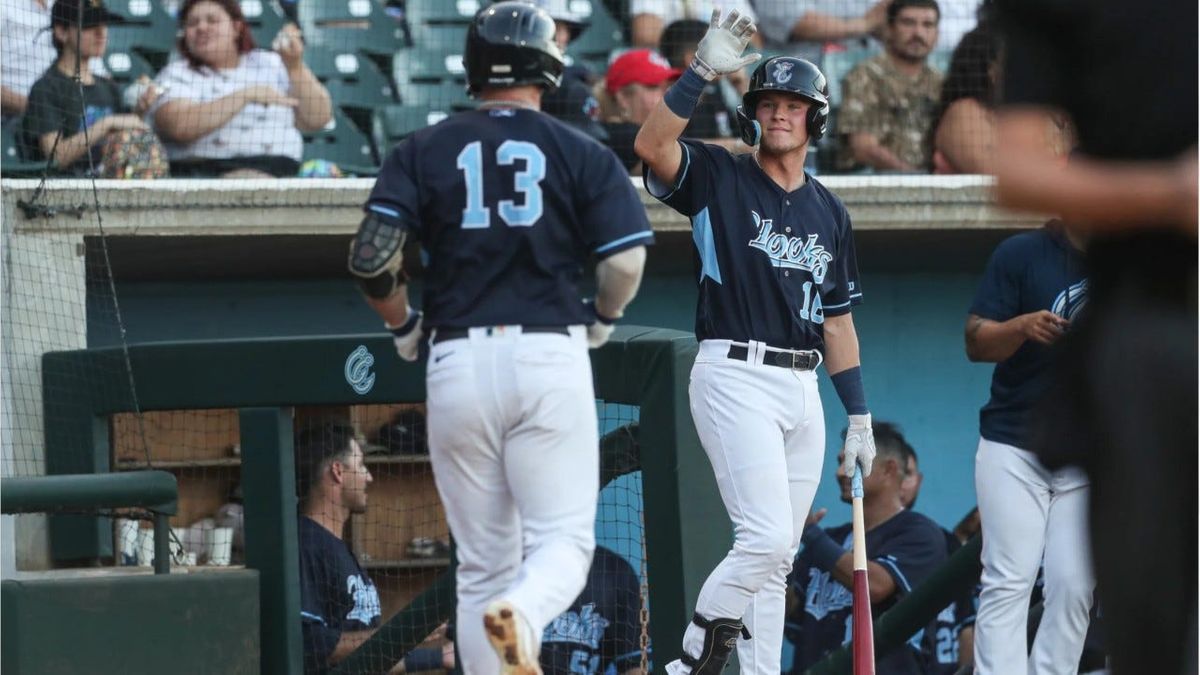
<point>783,72</point>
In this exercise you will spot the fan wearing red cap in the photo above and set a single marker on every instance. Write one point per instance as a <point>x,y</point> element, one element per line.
<point>635,84</point>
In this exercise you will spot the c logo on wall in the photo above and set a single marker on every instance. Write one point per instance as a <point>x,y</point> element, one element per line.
<point>358,370</point>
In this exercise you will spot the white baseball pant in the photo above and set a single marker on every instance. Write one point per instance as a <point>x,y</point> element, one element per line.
<point>763,430</point>
<point>1029,512</point>
<point>514,444</point>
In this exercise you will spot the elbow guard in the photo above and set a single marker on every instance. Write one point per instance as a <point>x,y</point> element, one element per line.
<point>376,257</point>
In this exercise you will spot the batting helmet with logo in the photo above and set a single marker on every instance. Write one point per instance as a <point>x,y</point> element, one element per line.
<point>788,74</point>
<point>510,44</point>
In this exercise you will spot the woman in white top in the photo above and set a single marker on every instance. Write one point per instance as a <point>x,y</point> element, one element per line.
<point>231,110</point>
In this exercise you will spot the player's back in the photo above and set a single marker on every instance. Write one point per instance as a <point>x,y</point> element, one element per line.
<point>508,204</point>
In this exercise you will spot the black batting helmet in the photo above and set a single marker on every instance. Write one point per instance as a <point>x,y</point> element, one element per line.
<point>510,44</point>
<point>793,75</point>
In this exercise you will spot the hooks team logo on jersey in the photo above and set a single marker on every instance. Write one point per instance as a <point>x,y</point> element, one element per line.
<point>783,71</point>
<point>824,596</point>
<point>358,370</point>
<point>366,600</point>
<point>584,628</point>
<point>797,253</point>
<point>1069,302</point>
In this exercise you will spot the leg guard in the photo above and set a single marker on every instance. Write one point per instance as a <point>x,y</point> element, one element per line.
<point>720,638</point>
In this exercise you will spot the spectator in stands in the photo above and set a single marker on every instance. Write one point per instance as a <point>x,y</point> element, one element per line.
<point>648,18</point>
<point>339,605</point>
<point>26,52</point>
<point>888,100</point>
<point>231,110</point>
<point>904,547</point>
<point>635,83</point>
<point>714,118</point>
<point>963,129</point>
<point>808,28</point>
<point>573,102</point>
<point>69,122</point>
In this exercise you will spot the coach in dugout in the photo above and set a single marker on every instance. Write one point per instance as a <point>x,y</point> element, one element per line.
<point>905,548</point>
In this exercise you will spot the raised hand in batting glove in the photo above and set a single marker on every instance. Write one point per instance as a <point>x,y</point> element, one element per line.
<point>601,327</point>
<point>860,445</point>
<point>720,52</point>
<point>407,337</point>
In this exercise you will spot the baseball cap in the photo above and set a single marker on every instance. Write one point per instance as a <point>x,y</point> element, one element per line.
<point>66,13</point>
<point>639,66</point>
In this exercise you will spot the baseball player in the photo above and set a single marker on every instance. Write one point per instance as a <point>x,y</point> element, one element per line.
<point>778,277</point>
<point>1034,285</point>
<point>507,204</point>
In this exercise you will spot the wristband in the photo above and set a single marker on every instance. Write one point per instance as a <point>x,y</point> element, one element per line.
<point>409,324</point>
<point>849,386</point>
<point>683,96</point>
<point>821,548</point>
<point>600,318</point>
<point>426,658</point>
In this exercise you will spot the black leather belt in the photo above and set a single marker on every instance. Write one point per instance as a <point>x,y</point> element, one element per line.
<point>443,334</point>
<point>807,360</point>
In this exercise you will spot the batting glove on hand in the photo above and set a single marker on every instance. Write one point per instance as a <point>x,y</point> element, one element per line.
<point>860,445</point>
<point>408,336</point>
<point>720,52</point>
<point>601,327</point>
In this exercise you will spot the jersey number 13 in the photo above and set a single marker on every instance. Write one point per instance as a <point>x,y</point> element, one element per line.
<point>527,181</point>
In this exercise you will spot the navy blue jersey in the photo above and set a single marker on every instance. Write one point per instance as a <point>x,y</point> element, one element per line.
<point>602,628</point>
<point>940,646</point>
<point>908,545</point>
<point>773,264</point>
<point>507,205</point>
<point>335,594</point>
<point>1028,272</point>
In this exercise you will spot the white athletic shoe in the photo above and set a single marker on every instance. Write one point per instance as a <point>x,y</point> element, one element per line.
<point>510,635</point>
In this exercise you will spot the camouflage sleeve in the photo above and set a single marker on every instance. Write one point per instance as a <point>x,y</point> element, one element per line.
<point>860,102</point>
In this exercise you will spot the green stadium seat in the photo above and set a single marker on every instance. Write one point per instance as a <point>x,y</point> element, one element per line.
<point>12,160</point>
<point>602,35</point>
<point>392,123</point>
<point>126,66</point>
<point>265,18</point>
<point>148,26</point>
<point>441,37</point>
<point>420,13</point>
<point>154,47</point>
<point>361,25</point>
<point>440,94</point>
<point>352,81</point>
<point>343,144</point>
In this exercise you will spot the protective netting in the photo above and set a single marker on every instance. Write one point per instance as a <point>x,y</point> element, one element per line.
<point>326,87</point>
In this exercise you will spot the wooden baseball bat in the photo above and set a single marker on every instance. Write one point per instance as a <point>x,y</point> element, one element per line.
<point>863,633</point>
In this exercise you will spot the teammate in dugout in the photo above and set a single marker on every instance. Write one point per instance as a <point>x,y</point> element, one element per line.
<point>1032,289</point>
<point>507,204</point>
<point>778,278</point>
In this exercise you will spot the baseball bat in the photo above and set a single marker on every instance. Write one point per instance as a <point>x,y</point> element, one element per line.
<point>863,634</point>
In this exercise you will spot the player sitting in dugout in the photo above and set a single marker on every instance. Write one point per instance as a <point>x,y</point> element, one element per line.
<point>905,548</point>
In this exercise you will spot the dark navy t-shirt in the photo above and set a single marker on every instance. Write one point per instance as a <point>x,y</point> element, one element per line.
<point>773,264</point>
<point>602,628</point>
<point>1028,272</point>
<point>909,546</point>
<point>507,205</point>
<point>335,594</point>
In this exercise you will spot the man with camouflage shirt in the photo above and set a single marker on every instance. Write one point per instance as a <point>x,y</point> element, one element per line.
<point>888,100</point>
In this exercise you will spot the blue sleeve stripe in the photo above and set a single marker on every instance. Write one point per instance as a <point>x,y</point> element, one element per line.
<point>896,573</point>
<point>313,617</point>
<point>624,240</point>
<point>384,210</point>
<point>687,163</point>
<point>839,306</point>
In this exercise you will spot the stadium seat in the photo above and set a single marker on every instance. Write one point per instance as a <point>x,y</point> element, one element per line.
<point>421,13</point>
<point>351,80</point>
<point>440,94</point>
<point>148,28</point>
<point>361,25</point>
<point>126,66</point>
<point>392,123</point>
<point>443,37</point>
<point>265,18</point>
<point>12,161</point>
<point>151,46</point>
<point>343,144</point>
<point>602,35</point>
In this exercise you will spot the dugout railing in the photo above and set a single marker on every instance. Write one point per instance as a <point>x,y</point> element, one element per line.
<point>686,529</point>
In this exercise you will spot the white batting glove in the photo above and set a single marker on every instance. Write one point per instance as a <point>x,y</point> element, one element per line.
<point>720,52</point>
<point>407,337</point>
<point>860,445</point>
<point>600,329</point>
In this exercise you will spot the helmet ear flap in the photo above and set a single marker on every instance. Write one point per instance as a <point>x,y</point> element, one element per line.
<point>818,121</point>
<point>749,129</point>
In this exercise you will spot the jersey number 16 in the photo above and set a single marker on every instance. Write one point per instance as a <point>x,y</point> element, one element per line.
<point>526,181</point>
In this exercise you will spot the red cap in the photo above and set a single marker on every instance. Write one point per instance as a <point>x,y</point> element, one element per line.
<point>640,66</point>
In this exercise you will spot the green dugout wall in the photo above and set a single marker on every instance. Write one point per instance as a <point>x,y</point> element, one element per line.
<point>687,531</point>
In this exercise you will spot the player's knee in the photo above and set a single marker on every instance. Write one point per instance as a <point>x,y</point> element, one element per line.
<point>771,545</point>
<point>1074,589</point>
